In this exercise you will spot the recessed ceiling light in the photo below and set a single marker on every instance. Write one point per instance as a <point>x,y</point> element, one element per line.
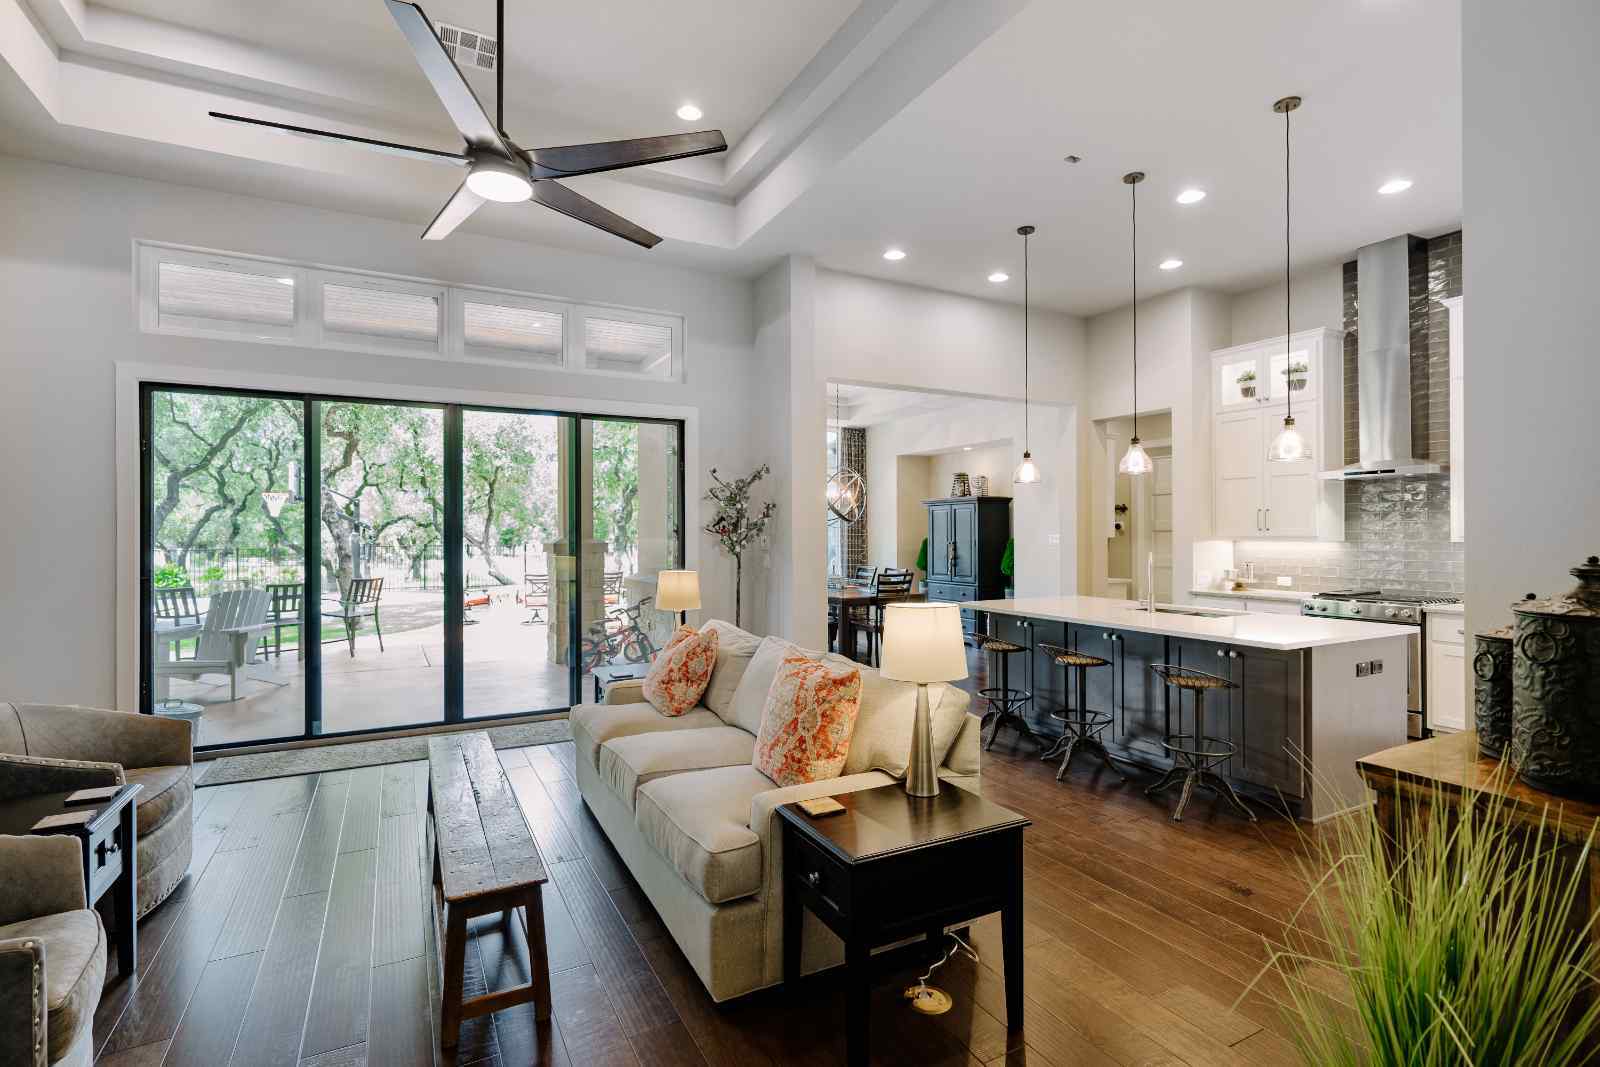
<point>894,255</point>
<point>690,113</point>
<point>285,281</point>
<point>999,276</point>
<point>966,448</point>
<point>1170,264</point>
<point>1394,185</point>
<point>1191,196</point>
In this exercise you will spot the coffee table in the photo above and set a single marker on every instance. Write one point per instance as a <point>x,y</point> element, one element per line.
<point>108,835</point>
<point>891,866</point>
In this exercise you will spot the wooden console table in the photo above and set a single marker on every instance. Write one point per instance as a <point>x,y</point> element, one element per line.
<point>1449,765</point>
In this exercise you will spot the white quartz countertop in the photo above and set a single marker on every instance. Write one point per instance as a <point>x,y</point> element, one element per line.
<point>1249,628</point>
<point>1445,609</point>
<point>1253,593</point>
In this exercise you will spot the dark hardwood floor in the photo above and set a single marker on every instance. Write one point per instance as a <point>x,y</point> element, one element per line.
<point>300,938</point>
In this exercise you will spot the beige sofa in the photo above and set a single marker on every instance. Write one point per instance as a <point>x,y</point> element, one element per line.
<point>52,954</point>
<point>49,748</point>
<point>696,823</point>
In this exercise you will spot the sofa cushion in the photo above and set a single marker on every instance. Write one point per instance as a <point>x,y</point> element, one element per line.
<point>626,763</point>
<point>74,970</point>
<point>681,671</point>
<point>735,647</point>
<point>165,790</point>
<point>809,717</point>
<point>699,822</point>
<point>882,740</point>
<point>750,698</point>
<point>595,724</point>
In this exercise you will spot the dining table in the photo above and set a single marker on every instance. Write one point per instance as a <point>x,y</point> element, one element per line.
<point>842,602</point>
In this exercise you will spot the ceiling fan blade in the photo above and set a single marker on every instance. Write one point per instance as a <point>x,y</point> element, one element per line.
<point>448,84</point>
<point>456,210</point>
<point>576,206</point>
<point>614,155</point>
<point>427,155</point>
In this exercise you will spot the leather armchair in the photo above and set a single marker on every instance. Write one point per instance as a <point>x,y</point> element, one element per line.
<point>52,954</point>
<point>50,748</point>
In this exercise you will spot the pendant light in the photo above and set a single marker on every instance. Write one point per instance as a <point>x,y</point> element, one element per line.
<point>846,491</point>
<point>1289,446</point>
<point>1027,472</point>
<point>1135,460</point>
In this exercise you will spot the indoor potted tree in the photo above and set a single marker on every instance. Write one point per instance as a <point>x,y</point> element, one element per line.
<point>739,523</point>
<point>922,558</point>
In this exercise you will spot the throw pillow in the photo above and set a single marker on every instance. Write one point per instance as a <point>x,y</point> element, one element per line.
<point>882,740</point>
<point>809,717</point>
<point>735,647</point>
<point>750,695</point>
<point>681,671</point>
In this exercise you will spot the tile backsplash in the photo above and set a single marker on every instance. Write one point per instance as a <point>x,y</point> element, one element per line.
<point>1397,530</point>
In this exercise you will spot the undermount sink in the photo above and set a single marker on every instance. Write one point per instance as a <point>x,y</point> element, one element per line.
<point>1199,613</point>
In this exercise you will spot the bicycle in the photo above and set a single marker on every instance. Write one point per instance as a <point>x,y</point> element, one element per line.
<point>619,634</point>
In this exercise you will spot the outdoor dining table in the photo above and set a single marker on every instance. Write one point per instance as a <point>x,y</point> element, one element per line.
<point>844,599</point>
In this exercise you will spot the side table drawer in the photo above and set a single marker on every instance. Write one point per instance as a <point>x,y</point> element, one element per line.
<point>821,880</point>
<point>105,861</point>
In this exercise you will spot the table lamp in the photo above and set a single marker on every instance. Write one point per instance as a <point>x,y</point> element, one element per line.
<point>678,591</point>
<point>923,643</point>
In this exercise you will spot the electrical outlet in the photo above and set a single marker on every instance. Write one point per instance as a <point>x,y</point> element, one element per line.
<point>1377,666</point>
<point>1363,669</point>
<point>1286,581</point>
<point>1054,539</point>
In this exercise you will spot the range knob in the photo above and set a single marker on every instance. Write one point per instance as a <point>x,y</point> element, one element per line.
<point>1389,612</point>
<point>1355,609</point>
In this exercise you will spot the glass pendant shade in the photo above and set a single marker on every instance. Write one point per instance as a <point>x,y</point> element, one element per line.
<point>1027,472</point>
<point>1135,460</point>
<point>1289,446</point>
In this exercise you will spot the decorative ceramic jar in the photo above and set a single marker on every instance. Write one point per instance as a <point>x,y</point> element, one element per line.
<point>1555,680</point>
<point>1491,697</point>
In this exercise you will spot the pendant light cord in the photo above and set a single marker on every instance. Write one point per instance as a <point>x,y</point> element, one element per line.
<point>500,67</point>
<point>1025,343</point>
<point>1288,343</point>
<point>1133,269</point>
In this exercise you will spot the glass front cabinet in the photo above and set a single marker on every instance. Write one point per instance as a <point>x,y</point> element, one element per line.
<point>1251,387</point>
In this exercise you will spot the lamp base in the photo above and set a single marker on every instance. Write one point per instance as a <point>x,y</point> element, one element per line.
<point>922,777</point>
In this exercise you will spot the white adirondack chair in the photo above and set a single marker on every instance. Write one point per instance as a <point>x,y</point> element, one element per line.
<point>226,642</point>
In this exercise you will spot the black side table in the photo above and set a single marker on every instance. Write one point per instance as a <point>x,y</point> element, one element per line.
<point>107,831</point>
<point>892,866</point>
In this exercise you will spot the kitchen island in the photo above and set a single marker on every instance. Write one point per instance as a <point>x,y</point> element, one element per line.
<point>1314,695</point>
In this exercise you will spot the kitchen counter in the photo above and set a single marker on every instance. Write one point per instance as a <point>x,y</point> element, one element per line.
<point>1254,593</point>
<point>1445,609</point>
<point>1279,632</point>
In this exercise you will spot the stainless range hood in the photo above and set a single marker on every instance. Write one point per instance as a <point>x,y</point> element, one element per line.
<point>1383,364</point>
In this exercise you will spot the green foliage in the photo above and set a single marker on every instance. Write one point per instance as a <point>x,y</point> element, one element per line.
<point>616,486</point>
<point>170,576</point>
<point>1460,947</point>
<point>922,556</point>
<point>213,574</point>
<point>1008,561</point>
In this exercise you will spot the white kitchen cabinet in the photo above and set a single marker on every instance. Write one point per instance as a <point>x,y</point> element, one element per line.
<point>1251,390</point>
<point>1445,695</point>
<point>1458,429</point>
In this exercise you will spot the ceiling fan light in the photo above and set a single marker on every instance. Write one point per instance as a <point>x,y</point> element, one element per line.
<point>497,180</point>
<point>1135,460</point>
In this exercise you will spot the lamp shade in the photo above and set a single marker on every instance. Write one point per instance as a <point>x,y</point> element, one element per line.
<point>923,643</point>
<point>678,590</point>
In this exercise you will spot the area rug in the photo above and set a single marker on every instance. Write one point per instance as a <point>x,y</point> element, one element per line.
<point>249,768</point>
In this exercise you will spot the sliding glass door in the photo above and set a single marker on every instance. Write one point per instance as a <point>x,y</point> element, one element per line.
<point>395,564</point>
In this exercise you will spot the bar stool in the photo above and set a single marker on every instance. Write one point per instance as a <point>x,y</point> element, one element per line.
<point>1004,702</point>
<point>1194,755</point>
<point>1080,727</point>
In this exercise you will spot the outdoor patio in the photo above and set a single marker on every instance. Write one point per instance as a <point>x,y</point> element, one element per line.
<point>506,671</point>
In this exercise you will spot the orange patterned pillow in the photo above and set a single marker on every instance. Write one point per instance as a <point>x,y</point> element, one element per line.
<point>681,671</point>
<point>807,722</point>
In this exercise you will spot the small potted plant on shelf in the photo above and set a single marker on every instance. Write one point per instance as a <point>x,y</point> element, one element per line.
<point>1008,565</point>
<point>1247,384</point>
<point>1298,376</point>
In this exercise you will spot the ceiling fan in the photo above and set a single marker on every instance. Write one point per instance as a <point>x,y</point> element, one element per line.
<point>497,167</point>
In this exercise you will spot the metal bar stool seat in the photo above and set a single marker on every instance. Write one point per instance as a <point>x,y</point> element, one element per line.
<point>1005,703</point>
<point>1196,755</point>
<point>1081,727</point>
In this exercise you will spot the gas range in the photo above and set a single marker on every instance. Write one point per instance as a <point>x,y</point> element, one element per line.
<point>1375,605</point>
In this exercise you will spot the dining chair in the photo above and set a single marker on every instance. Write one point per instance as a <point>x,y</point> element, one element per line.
<point>861,618</point>
<point>893,584</point>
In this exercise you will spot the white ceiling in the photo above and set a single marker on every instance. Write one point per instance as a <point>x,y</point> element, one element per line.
<point>934,125</point>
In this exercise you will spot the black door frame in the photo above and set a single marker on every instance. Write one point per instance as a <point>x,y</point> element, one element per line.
<point>453,445</point>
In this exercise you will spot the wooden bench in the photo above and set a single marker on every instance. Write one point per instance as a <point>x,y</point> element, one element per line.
<point>484,861</point>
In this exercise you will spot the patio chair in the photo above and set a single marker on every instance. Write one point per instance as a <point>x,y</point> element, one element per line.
<point>612,588</point>
<point>284,610</point>
<point>535,597</point>
<point>175,608</point>
<point>226,640</point>
<point>360,601</point>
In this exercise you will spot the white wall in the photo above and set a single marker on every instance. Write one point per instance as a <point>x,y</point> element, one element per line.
<point>992,462</point>
<point>1257,314</point>
<point>66,301</point>
<point>1530,151</point>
